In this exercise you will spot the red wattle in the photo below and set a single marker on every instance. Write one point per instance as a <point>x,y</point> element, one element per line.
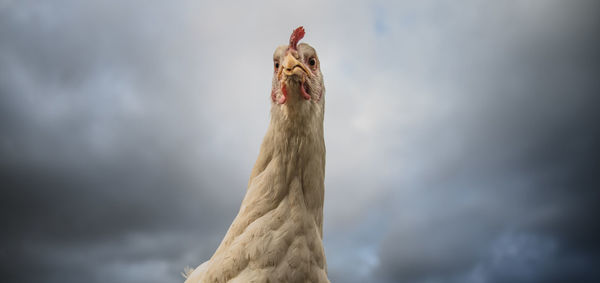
<point>283,98</point>
<point>304,93</point>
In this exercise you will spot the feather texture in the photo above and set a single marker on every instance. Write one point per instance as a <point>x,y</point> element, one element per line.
<point>277,234</point>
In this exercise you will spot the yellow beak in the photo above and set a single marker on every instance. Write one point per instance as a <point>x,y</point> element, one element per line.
<point>292,66</point>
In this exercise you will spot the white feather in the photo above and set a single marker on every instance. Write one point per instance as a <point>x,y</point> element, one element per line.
<point>277,234</point>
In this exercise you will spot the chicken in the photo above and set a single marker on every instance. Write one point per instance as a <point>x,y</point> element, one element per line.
<point>277,234</point>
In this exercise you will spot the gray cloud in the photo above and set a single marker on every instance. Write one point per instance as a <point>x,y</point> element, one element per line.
<point>462,142</point>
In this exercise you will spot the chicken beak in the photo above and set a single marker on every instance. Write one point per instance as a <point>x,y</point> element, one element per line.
<point>291,66</point>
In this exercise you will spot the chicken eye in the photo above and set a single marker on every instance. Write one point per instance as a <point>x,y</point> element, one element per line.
<point>312,61</point>
<point>276,65</point>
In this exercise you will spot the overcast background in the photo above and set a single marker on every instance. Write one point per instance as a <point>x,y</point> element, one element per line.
<point>462,137</point>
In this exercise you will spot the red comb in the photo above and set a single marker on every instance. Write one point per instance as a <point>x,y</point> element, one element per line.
<point>296,36</point>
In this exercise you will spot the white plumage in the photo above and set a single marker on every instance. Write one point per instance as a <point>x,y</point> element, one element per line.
<point>277,234</point>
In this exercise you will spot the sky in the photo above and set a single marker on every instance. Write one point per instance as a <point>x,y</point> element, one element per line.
<point>463,142</point>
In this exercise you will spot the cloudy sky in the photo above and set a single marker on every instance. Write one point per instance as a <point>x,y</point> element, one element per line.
<point>463,142</point>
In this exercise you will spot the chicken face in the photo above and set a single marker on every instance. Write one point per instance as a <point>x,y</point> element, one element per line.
<point>297,78</point>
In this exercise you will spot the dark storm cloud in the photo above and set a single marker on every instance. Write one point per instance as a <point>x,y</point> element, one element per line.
<point>511,166</point>
<point>93,153</point>
<point>125,146</point>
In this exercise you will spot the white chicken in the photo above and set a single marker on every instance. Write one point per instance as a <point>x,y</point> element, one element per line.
<point>277,234</point>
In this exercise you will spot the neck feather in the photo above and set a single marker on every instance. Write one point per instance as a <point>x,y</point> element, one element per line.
<point>293,150</point>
